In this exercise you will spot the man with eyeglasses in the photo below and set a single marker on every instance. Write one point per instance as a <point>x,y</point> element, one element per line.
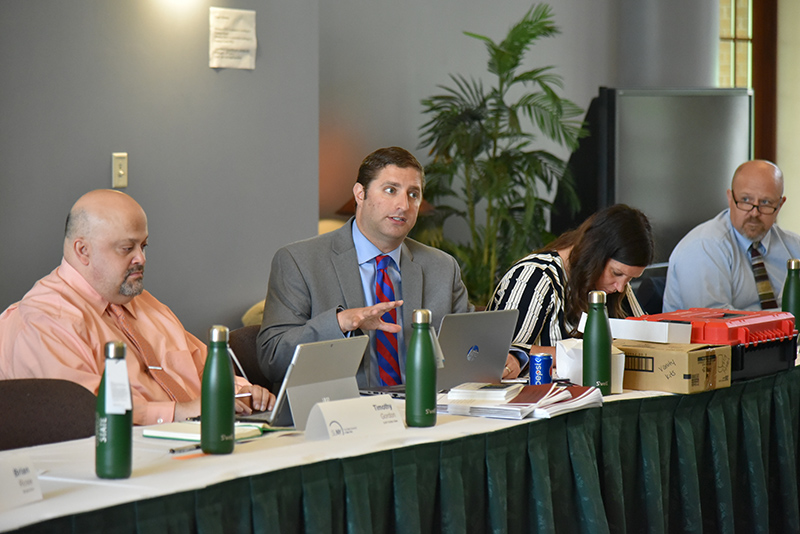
<point>737,260</point>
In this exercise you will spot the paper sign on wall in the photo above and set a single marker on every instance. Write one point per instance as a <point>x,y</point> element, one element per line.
<point>232,40</point>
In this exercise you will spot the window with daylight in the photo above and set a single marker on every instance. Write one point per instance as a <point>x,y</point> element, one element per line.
<point>735,43</point>
<point>748,49</point>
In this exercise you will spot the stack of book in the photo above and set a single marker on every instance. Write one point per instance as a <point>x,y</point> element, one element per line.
<point>515,401</point>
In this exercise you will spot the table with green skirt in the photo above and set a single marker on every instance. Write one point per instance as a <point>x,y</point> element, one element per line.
<point>719,461</point>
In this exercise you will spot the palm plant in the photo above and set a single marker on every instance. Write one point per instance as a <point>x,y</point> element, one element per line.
<point>483,158</point>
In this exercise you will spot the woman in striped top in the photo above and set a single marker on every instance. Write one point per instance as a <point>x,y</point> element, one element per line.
<point>550,287</point>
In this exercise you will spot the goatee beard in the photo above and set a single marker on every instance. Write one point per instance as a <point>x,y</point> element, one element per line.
<point>132,288</point>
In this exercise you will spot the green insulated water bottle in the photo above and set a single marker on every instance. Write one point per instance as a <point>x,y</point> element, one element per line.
<point>597,345</point>
<point>113,434</point>
<point>216,403</point>
<point>421,373</point>
<point>790,301</point>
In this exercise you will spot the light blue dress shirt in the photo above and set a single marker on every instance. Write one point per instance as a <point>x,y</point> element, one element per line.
<point>710,267</point>
<point>365,254</point>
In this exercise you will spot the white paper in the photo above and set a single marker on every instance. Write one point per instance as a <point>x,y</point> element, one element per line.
<point>19,483</point>
<point>569,358</point>
<point>118,388</point>
<point>437,349</point>
<point>569,355</point>
<point>232,38</point>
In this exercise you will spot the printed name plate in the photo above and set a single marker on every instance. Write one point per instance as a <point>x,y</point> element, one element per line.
<point>369,415</point>
<point>19,483</point>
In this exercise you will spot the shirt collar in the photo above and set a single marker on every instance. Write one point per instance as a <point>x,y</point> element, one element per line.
<point>73,279</point>
<point>366,250</point>
<point>744,242</point>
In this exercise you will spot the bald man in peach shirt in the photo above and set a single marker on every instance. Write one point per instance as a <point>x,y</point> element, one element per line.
<point>59,328</point>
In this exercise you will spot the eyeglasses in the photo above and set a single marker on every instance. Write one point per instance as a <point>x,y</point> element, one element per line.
<point>764,209</point>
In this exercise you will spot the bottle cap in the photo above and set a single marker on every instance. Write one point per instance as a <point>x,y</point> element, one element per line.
<point>793,264</point>
<point>218,333</point>
<point>115,350</point>
<point>597,297</point>
<point>421,316</point>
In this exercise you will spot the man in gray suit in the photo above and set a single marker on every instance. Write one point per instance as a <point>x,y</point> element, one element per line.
<point>323,288</point>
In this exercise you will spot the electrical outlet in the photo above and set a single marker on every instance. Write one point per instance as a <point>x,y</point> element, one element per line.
<point>119,170</point>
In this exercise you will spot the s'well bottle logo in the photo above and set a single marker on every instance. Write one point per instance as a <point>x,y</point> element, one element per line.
<point>101,429</point>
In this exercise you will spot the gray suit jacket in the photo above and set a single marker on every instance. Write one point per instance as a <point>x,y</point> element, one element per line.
<point>310,279</point>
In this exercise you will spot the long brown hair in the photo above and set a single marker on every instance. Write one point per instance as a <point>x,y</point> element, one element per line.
<point>618,232</point>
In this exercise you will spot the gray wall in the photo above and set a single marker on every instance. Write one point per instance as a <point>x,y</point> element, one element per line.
<point>378,59</point>
<point>226,163</point>
<point>223,161</point>
<point>672,43</point>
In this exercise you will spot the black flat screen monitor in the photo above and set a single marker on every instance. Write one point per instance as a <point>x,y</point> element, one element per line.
<point>669,152</point>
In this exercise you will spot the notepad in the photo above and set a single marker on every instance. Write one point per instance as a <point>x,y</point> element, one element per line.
<point>483,391</point>
<point>190,431</point>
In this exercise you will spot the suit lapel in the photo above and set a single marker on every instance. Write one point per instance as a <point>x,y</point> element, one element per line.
<point>345,264</point>
<point>411,274</point>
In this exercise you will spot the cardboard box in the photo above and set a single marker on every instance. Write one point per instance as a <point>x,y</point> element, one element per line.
<point>762,342</point>
<point>675,367</point>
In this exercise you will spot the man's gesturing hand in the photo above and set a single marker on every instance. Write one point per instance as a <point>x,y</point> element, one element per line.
<point>368,318</point>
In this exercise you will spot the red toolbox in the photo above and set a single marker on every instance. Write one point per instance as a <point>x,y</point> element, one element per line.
<point>762,342</point>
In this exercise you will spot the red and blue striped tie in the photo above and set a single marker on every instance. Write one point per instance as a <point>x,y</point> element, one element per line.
<point>386,342</point>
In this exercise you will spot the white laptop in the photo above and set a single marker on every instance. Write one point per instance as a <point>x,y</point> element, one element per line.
<point>319,372</point>
<point>475,347</point>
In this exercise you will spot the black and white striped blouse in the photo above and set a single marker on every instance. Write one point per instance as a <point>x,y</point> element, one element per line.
<point>535,286</point>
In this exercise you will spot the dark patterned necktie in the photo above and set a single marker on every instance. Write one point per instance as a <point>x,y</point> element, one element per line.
<point>148,357</point>
<point>386,342</point>
<point>765,293</point>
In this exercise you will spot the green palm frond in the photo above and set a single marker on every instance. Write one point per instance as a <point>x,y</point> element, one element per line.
<point>506,56</point>
<point>485,168</point>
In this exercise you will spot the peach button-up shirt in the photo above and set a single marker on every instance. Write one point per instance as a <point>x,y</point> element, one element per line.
<point>59,330</point>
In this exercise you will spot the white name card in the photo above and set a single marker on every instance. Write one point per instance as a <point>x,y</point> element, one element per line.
<point>360,416</point>
<point>19,483</point>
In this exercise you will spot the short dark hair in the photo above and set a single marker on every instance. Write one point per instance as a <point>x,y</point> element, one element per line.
<point>383,157</point>
<point>77,223</point>
<point>619,233</point>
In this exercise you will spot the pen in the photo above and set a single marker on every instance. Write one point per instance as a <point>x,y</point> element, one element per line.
<point>239,395</point>
<point>187,448</point>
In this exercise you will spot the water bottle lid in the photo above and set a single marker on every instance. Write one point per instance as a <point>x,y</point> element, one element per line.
<point>421,316</point>
<point>115,350</point>
<point>793,264</point>
<point>597,297</point>
<point>218,333</point>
